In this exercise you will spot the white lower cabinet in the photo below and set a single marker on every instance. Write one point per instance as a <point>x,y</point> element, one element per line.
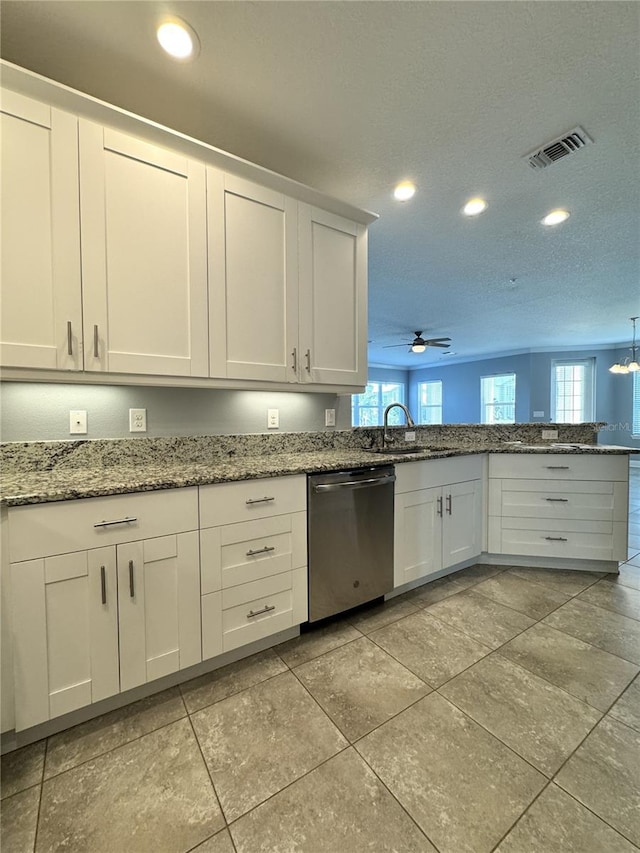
<point>439,526</point>
<point>253,572</point>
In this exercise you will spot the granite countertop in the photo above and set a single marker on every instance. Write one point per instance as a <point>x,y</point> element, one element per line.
<point>58,483</point>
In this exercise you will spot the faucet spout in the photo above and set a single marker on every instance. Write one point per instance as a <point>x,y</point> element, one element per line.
<point>386,437</point>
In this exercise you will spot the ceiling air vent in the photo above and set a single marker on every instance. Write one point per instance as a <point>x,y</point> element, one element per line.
<point>558,148</point>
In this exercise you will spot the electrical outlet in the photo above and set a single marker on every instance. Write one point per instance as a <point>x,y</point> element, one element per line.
<point>329,417</point>
<point>78,422</point>
<point>273,418</point>
<point>550,433</point>
<point>538,414</point>
<point>409,436</point>
<point>137,420</point>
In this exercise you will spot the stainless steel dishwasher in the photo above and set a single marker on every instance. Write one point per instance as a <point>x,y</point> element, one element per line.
<point>350,538</point>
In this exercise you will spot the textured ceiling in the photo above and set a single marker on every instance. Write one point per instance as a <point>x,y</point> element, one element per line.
<point>350,97</point>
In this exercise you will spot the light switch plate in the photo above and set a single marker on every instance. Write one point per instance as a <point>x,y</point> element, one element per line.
<point>329,417</point>
<point>137,420</point>
<point>77,422</point>
<point>273,418</point>
<point>550,433</point>
<point>538,414</point>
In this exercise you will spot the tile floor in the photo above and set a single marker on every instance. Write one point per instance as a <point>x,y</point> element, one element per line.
<point>495,710</point>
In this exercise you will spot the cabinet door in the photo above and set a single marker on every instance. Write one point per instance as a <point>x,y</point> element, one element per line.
<point>253,303</point>
<point>65,633</point>
<point>462,522</point>
<point>159,605</point>
<point>333,298</point>
<point>41,321</point>
<point>417,535</point>
<point>144,264</point>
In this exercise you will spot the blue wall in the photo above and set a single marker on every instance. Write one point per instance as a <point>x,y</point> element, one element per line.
<point>461,389</point>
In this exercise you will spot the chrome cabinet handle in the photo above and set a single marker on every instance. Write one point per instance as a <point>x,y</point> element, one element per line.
<point>264,550</point>
<point>103,584</point>
<point>449,504</point>
<point>307,356</point>
<point>558,467</point>
<point>116,521</point>
<point>294,355</point>
<point>132,587</point>
<point>439,502</point>
<point>96,342</point>
<point>265,609</point>
<point>258,500</point>
<point>556,538</point>
<point>69,338</point>
<point>558,500</point>
<point>354,484</point>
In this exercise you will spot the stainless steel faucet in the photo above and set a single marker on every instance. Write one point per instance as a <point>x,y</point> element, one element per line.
<point>386,437</point>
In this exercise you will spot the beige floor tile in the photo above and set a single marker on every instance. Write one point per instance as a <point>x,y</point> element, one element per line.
<point>429,647</point>
<point>316,642</point>
<point>476,574</point>
<point>540,722</point>
<point>616,597</point>
<point>581,669</point>
<point>340,806</point>
<point>605,629</point>
<point>153,794</point>
<point>561,580</point>
<point>360,686</point>
<point>627,708</point>
<point>18,820</point>
<point>557,822</point>
<point>462,786</point>
<point>262,739</point>
<point>629,575</point>
<point>434,591</point>
<point>532,599</point>
<point>480,617</point>
<point>382,614</point>
<point>21,768</point>
<point>604,774</point>
<point>95,737</point>
<point>219,843</point>
<point>230,679</point>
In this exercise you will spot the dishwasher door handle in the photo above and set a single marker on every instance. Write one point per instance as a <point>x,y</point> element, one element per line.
<point>355,484</point>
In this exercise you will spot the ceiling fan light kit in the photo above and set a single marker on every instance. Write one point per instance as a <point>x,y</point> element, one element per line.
<point>419,344</point>
<point>629,365</point>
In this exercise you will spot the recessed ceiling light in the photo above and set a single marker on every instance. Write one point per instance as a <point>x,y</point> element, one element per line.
<point>556,217</point>
<point>178,39</point>
<point>474,206</point>
<point>404,191</point>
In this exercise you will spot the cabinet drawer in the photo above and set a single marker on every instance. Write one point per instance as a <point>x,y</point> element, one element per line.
<point>559,466</point>
<point>244,552</point>
<point>575,539</point>
<point>226,503</point>
<point>255,610</point>
<point>426,474</point>
<point>599,504</point>
<point>59,528</point>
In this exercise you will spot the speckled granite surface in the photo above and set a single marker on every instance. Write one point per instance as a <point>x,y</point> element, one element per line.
<point>39,472</point>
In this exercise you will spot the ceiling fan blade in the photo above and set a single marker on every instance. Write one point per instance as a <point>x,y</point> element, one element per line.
<point>444,346</point>
<point>391,346</point>
<point>436,340</point>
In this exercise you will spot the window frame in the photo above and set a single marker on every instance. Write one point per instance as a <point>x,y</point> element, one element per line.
<point>356,408</point>
<point>484,405</point>
<point>422,406</point>
<point>588,393</point>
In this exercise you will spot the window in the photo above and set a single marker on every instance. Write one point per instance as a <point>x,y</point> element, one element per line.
<point>635,406</point>
<point>498,396</point>
<point>368,408</point>
<point>572,391</point>
<point>430,402</point>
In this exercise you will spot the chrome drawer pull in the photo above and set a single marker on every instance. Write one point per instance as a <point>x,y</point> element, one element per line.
<point>258,500</point>
<point>264,550</point>
<point>294,355</point>
<point>448,505</point>
<point>558,467</point>
<point>96,343</point>
<point>266,609</point>
<point>556,538</point>
<point>103,584</point>
<point>558,500</point>
<point>439,510</point>
<point>69,338</point>
<point>307,356</point>
<point>117,521</point>
<point>132,587</point>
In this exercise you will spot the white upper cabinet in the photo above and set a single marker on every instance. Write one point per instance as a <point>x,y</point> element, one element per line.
<point>144,273</point>
<point>41,325</point>
<point>253,299</point>
<point>333,298</point>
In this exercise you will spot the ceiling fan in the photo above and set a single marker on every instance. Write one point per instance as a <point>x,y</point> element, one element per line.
<point>419,344</point>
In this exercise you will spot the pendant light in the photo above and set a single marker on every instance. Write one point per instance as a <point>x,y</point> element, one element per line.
<point>628,365</point>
